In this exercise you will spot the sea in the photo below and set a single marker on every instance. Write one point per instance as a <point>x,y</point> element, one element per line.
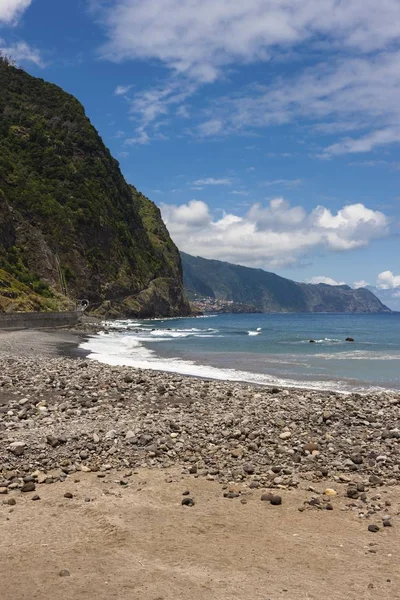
<point>264,349</point>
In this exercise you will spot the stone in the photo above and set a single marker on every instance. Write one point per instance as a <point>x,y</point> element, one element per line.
<point>28,487</point>
<point>276,500</point>
<point>187,502</point>
<point>35,497</point>
<point>375,480</point>
<point>353,493</point>
<point>11,502</point>
<point>267,497</point>
<point>349,339</point>
<point>285,435</point>
<point>248,468</point>
<point>52,441</point>
<point>64,573</point>
<point>17,448</point>
<point>310,447</point>
<point>373,528</point>
<point>386,519</point>
<point>68,495</point>
<point>330,492</point>
<point>3,490</point>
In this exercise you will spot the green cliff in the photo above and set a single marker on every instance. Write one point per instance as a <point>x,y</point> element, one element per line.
<point>269,292</point>
<point>70,225</point>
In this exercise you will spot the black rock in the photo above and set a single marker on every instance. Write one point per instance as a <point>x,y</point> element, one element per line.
<point>35,497</point>
<point>68,495</point>
<point>276,500</point>
<point>349,339</point>
<point>267,497</point>
<point>64,573</point>
<point>187,502</point>
<point>28,487</point>
<point>353,493</point>
<point>373,528</point>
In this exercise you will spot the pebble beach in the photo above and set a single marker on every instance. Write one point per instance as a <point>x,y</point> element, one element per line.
<point>72,422</point>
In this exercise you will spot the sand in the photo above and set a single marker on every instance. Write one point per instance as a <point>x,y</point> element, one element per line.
<point>139,542</point>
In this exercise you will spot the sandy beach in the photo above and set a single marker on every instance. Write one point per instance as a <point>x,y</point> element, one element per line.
<point>156,486</point>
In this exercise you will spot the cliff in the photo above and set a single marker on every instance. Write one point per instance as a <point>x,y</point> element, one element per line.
<point>269,292</point>
<point>70,225</point>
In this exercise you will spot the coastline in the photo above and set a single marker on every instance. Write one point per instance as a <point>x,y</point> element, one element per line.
<point>125,444</point>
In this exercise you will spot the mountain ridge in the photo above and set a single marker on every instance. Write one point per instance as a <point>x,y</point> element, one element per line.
<point>70,225</point>
<point>270,292</point>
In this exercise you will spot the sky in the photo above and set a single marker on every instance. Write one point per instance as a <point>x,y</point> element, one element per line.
<point>267,131</point>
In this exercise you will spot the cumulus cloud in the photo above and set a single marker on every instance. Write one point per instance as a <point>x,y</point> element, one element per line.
<point>388,281</point>
<point>326,280</point>
<point>22,52</point>
<point>272,235</point>
<point>360,284</point>
<point>11,10</point>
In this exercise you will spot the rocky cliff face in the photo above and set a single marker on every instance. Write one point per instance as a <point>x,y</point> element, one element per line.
<point>70,225</point>
<point>269,292</point>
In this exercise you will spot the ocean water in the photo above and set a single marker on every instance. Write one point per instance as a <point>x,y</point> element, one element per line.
<point>266,349</point>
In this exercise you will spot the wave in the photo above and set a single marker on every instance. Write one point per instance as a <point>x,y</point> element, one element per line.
<point>358,355</point>
<point>123,350</point>
<point>253,332</point>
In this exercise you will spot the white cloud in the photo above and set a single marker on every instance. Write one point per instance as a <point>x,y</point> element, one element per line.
<point>360,284</point>
<point>357,90</point>
<point>272,235</point>
<point>121,90</point>
<point>200,37</point>
<point>212,181</point>
<point>239,193</point>
<point>326,280</point>
<point>147,107</point>
<point>141,137</point>
<point>289,183</point>
<point>388,281</point>
<point>11,10</point>
<point>346,94</point>
<point>22,52</point>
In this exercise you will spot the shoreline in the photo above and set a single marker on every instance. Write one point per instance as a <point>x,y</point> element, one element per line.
<point>275,481</point>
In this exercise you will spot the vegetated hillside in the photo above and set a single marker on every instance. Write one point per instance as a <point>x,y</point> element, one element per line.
<point>269,292</point>
<point>70,225</point>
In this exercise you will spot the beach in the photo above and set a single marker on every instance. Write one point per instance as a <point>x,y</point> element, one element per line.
<point>156,485</point>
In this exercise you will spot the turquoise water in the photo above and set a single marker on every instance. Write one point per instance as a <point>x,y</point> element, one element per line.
<point>265,349</point>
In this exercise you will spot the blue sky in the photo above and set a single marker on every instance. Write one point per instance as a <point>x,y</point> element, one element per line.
<point>267,131</point>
